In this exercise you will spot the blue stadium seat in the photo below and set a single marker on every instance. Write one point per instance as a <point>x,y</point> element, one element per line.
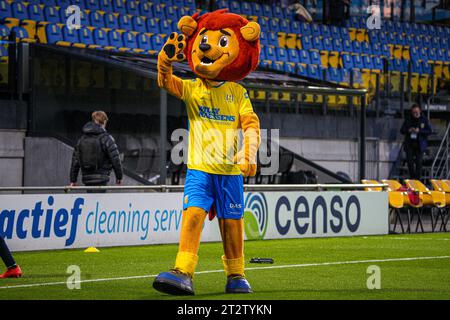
<point>5,9</point>
<point>368,63</point>
<point>158,11</point>
<point>293,55</point>
<point>274,25</point>
<point>35,12</point>
<point>426,41</point>
<point>337,45</point>
<point>125,22</point>
<point>100,37</point>
<point>301,70</point>
<point>432,54</point>
<point>119,6</point>
<point>423,52</point>
<point>282,54</point>
<point>272,39</point>
<point>234,6</point>
<point>334,75</point>
<point>304,56</point>
<point>335,32</point>
<point>165,26</point>
<point>374,36</point>
<point>278,12</point>
<point>347,46</point>
<point>263,39</point>
<point>132,7</point>
<point>70,35</point>
<point>377,63</point>
<point>305,29</point>
<point>444,43</point>
<point>307,43</point>
<point>51,14</point>
<point>129,40</point>
<point>143,41</point>
<point>315,57</point>
<point>356,46</point>
<point>314,72</point>
<point>317,43</point>
<point>106,5</point>
<point>53,33</point>
<point>414,53</point>
<point>327,44</point>
<point>246,8</point>
<point>325,31</point>
<point>270,53</point>
<point>96,19</point>
<point>376,49</point>
<point>170,13</point>
<point>426,67</point>
<point>315,30</point>
<point>267,10</point>
<point>111,21</point>
<point>285,26</point>
<point>347,61</point>
<point>441,55</point>
<point>345,35</point>
<point>145,9</point>
<point>190,4</point>
<point>382,38</point>
<point>85,35</point>
<point>63,4</point>
<point>156,42</point>
<point>416,67</point>
<point>93,5</point>
<point>221,4</point>
<point>4,31</point>
<point>139,24</point>
<point>358,62</point>
<point>295,27</point>
<point>257,9</point>
<point>178,3</point>
<point>79,3</point>
<point>49,2</point>
<point>19,11</point>
<point>152,26</point>
<point>436,43</point>
<point>115,39</point>
<point>366,48</point>
<point>3,51</point>
<point>264,24</point>
<point>385,50</point>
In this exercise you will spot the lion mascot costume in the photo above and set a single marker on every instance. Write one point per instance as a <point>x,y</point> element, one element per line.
<point>221,48</point>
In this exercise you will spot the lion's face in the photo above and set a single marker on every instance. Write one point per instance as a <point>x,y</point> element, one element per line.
<point>213,50</point>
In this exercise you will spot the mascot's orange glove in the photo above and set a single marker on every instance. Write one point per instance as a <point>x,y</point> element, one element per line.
<point>246,157</point>
<point>171,52</point>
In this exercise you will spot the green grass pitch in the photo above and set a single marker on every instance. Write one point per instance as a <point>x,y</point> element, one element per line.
<point>319,271</point>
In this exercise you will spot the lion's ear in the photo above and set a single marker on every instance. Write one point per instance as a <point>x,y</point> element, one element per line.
<point>251,31</point>
<point>187,25</point>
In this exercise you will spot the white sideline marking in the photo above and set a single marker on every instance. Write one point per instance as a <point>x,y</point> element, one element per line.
<point>406,238</point>
<point>317,264</point>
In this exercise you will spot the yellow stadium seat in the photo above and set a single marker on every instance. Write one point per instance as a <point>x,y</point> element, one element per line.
<point>291,41</point>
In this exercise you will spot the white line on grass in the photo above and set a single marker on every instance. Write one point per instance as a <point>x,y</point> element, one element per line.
<point>304,265</point>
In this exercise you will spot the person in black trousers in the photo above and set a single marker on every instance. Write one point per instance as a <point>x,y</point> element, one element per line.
<point>96,154</point>
<point>12,269</point>
<point>416,129</point>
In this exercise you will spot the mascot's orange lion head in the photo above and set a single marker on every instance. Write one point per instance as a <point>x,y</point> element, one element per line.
<point>221,45</point>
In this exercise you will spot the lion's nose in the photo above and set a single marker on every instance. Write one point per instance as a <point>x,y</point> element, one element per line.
<point>205,47</point>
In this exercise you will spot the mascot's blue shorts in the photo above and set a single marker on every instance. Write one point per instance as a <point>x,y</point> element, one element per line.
<point>224,192</point>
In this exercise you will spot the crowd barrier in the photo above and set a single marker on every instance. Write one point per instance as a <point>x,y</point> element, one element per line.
<point>78,220</point>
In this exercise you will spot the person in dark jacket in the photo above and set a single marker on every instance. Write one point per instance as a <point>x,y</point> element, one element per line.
<point>416,129</point>
<point>96,154</point>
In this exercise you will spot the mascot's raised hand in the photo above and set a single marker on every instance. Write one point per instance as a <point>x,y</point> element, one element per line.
<point>172,51</point>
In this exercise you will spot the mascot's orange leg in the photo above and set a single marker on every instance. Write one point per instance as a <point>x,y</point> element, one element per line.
<point>232,232</point>
<point>191,230</point>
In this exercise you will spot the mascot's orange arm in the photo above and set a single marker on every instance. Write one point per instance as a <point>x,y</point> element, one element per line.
<point>246,157</point>
<point>171,52</point>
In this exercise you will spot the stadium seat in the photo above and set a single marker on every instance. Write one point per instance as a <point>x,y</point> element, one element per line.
<point>51,14</point>
<point>115,40</point>
<point>106,6</point>
<point>145,9</point>
<point>111,21</point>
<point>125,22</point>
<point>143,41</point>
<point>130,41</point>
<point>156,42</point>
<point>119,6</point>
<point>86,37</point>
<point>165,26</point>
<point>152,26</point>
<point>132,7</point>
<point>35,13</point>
<point>71,38</point>
<point>101,38</point>
<point>96,19</point>
<point>93,5</point>
<point>53,34</point>
<point>22,35</point>
<point>139,24</point>
<point>170,13</point>
<point>442,186</point>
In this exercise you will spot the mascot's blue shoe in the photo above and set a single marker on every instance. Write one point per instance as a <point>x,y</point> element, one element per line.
<point>177,284</point>
<point>238,284</point>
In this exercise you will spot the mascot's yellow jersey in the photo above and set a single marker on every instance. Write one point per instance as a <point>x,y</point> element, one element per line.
<point>213,113</point>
